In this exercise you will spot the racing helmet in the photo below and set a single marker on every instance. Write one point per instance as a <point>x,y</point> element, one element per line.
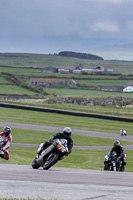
<point>67,131</point>
<point>7,130</point>
<point>116,143</point>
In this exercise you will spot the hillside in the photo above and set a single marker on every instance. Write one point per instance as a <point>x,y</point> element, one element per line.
<point>36,62</point>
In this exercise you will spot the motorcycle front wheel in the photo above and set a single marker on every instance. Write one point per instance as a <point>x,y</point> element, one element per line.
<point>35,165</point>
<point>107,167</point>
<point>50,161</point>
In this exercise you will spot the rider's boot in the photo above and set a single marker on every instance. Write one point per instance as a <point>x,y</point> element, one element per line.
<point>39,150</point>
<point>2,154</point>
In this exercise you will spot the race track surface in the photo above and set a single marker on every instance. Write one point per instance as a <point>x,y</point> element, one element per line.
<point>21,181</point>
<point>75,131</point>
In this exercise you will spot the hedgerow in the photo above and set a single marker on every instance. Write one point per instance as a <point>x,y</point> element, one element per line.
<point>18,81</point>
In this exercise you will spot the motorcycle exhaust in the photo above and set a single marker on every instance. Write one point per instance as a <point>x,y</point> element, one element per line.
<point>40,160</point>
<point>114,166</point>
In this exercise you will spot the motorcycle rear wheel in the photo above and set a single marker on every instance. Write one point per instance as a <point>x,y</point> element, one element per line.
<point>50,161</point>
<point>122,168</point>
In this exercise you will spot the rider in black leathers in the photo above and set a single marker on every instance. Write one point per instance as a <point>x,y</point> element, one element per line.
<point>66,134</point>
<point>119,152</point>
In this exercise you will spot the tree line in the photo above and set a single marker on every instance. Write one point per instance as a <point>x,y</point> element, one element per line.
<point>79,55</point>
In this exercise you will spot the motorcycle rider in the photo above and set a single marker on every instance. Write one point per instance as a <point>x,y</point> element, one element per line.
<point>123,132</point>
<point>119,152</point>
<point>7,139</point>
<point>66,134</point>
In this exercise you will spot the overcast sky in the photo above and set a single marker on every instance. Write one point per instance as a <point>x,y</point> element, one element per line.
<point>51,26</point>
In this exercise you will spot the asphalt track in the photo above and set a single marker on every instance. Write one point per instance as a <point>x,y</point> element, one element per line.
<point>21,181</point>
<point>54,130</point>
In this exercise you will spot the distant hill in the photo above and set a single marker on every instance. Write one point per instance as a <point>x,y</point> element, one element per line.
<point>79,55</point>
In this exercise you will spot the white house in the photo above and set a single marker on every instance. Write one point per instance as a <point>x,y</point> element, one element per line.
<point>128,87</point>
<point>76,71</point>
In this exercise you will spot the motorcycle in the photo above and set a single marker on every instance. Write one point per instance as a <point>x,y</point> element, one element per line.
<point>50,155</point>
<point>1,144</point>
<point>111,163</point>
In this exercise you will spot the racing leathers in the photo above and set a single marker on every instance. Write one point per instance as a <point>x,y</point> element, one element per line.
<point>59,136</point>
<point>119,153</point>
<point>4,153</point>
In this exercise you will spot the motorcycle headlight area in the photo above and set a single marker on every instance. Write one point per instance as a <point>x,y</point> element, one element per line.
<point>106,157</point>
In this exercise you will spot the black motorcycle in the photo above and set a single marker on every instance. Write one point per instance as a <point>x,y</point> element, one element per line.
<point>50,155</point>
<point>111,163</point>
<point>1,144</point>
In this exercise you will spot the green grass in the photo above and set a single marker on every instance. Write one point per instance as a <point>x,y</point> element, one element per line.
<point>91,159</point>
<point>58,120</point>
<point>105,82</point>
<point>86,93</point>
<point>3,80</point>
<point>13,89</point>
<point>36,137</point>
<point>23,71</point>
<point>105,110</point>
<point>82,159</point>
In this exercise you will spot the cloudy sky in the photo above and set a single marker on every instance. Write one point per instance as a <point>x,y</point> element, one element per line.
<point>50,26</point>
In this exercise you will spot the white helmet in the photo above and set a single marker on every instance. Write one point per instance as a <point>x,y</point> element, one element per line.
<point>67,132</point>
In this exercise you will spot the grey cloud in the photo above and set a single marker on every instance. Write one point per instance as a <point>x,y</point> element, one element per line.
<point>74,23</point>
<point>37,18</point>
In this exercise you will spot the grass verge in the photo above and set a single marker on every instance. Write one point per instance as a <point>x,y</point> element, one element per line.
<point>82,159</point>
<point>37,137</point>
<point>59,120</point>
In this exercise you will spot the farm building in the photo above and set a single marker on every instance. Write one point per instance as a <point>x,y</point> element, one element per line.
<point>63,71</point>
<point>96,70</point>
<point>76,71</point>
<point>53,82</point>
<point>87,71</point>
<point>128,87</point>
<point>102,70</point>
<point>50,69</point>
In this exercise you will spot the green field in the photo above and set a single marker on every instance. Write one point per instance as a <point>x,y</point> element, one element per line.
<point>104,82</point>
<point>31,65</point>
<point>58,120</point>
<point>14,89</point>
<point>43,60</point>
<point>86,93</point>
<point>22,70</point>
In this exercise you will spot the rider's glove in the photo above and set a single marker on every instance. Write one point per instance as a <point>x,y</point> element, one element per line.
<point>1,152</point>
<point>118,159</point>
<point>51,139</point>
<point>66,154</point>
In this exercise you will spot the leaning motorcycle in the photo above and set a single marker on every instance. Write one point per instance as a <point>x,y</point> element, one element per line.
<point>111,163</point>
<point>50,155</point>
<point>1,144</point>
